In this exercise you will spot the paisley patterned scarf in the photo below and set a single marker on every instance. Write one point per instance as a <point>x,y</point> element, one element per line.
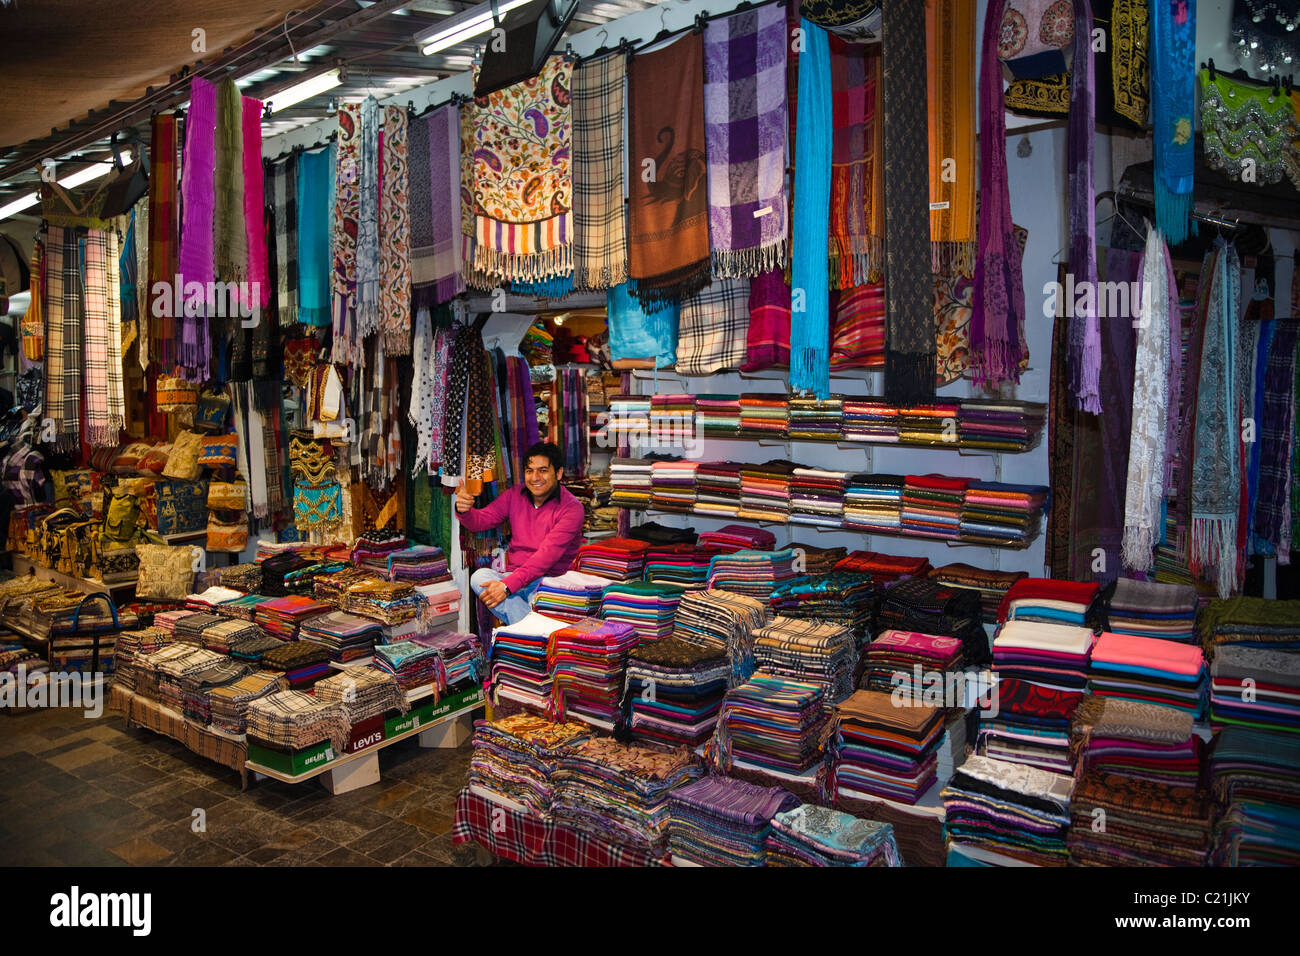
<point>395,237</point>
<point>368,223</point>
<point>347,206</point>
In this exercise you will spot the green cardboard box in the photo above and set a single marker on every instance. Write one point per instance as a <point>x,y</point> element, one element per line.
<point>427,712</point>
<point>294,763</point>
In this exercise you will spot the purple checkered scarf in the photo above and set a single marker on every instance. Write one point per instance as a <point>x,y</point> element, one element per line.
<point>745,127</point>
<point>198,198</point>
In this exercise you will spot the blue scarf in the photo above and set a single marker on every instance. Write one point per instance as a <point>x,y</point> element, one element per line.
<point>1173,102</point>
<point>635,333</point>
<point>314,263</point>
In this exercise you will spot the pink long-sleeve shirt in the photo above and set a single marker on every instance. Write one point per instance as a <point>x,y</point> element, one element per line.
<point>543,541</point>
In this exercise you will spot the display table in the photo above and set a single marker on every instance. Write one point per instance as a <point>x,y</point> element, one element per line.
<point>143,712</point>
<point>509,830</point>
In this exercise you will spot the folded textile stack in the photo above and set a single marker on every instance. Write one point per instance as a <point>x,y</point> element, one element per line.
<point>363,692</point>
<point>189,629</point>
<point>255,648</point>
<point>739,537</point>
<point>130,645</point>
<point>302,663</point>
<point>870,420</point>
<point>1256,779</point>
<point>373,549</point>
<point>276,567</point>
<point>292,720</point>
<point>717,489</point>
<point>771,722</point>
<point>672,418</point>
<point>516,757</point>
<point>721,822</point>
<point>166,620</point>
<point>618,559</point>
<point>461,656</point>
<point>683,564</point>
<point>1129,738</point>
<point>283,616</point>
<point>1001,514</point>
<point>816,652</point>
<point>303,580</point>
<point>439,606</point>
<point>814,419</point>
<point>412,665</point>
<point>675,690</point>
<point>884,568</point>
<point>873,503</point>
<point>207,601</point>
<point>763,415</point>
<point>718,416</point>
<point>810,835</point>
<point>1146,824</point>
<point>932,506</point>
<point>172,668</point>
<point>1149,669</point>
<point>242,577</point>
<point>722,621</point>
<point>819,560</point>
<point>569,596</point>
<point>894,659</point>
<point>518,657</point>
<point>999,426</point>
<point>243,608</point>
<point>346,636</point>
<point>672,486</point>
<point>992,585</point>
<point>765,491</point>
<point>629,413</point>
<point>15,659</point>
<point>817,497</point>
<point>586,660</point>
<point>629,482</point>
<point>195,687</point>
<point>655,534</point>
<point>1152,609</point>
<point>148,663</point>
<point>1042,676</point>
<point>418,564</point>
<point>228,704</point>
<point>620,791</point>
<point>1256,687</point>
<point>331,587</point>
<point>647,606</point>
<point>228,634</point>
<point>1051,601</point>
<point>1009,809</point>
<point>753,573</point>
<point>840,596</point>
<point>934,425</point>
<point>920,604</point>
<point>884,749</point>
<point>388,602</point>
<point>1249,621</point>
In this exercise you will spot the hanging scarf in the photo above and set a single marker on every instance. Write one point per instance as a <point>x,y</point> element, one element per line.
<point>254,223</point>
<point>909,321</point>
<point>1173,101</point>
<point>668,222</point>
<point>445,199</point>
<point>441,369</point>
<point>767,341</point>
<point>809,326</point>
<point>1151,409</point>
<point>1276,427</point>
<point>163,210</point>
<point>32,327</point>
<point>422,225</point>
<point>635,333</point>
<point>950,56</point>
<point>999,305</point>
<point>54,323</point>
<point>599,229</point>
<point>276,502</point>
<point>72,351</point>
<point>1175,371</point>
<point>1216,479</point>
<point>522,183</point>
<point>745,138</point>
<point>230,236</point>
<point>423,396</point>
<point>854,250</point>
<point>267,352</point>
<point>1104,463</point>
<point>347,205</point>
<point>198,201</point>
<point>256,465</point>
<point>313,238</point>
<point>464,344</point>
<point>1085,332</point>
<point>468,116</point>
<point>712,333</point>
<point>143,298</point>
<point>395,237</point>
<point>284,179</point>
<point>368,222</point>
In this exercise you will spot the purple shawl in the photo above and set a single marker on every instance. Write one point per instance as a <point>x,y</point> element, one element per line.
<point>1085,333</point>
<point>198,204</point>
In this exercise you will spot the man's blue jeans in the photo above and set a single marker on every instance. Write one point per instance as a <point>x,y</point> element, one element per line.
<point>516,606</point>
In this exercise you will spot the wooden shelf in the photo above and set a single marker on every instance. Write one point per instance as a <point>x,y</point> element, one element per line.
<point>25,565</point>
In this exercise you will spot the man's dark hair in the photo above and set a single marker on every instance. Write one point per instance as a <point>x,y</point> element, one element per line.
<point>548,450</point>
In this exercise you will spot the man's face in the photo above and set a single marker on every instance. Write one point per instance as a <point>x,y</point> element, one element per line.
<point>540,477</point>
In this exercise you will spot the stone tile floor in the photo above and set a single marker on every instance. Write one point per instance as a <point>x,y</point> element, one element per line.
<point>85,792</point>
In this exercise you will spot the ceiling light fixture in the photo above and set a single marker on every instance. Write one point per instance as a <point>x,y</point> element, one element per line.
<point>79,178</point>
<point>465,25</point>
<point>322,83</point>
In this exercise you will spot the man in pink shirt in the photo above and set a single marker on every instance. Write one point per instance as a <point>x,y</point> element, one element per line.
<point>545,532</point>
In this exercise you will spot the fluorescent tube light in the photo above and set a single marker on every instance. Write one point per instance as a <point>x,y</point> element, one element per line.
<point>79,178</point>
<point>322,83</point>
<point>464,25</point>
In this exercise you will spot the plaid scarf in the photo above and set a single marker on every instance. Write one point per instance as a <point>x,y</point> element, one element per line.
<point>745,138</point>
<point>347,205</point>
<point>1276,431</point>
<point>285,192</point>
<point>254,220</point>
<point>950,55</point>
<point>668,249</point>
<point>713,329</point>
<point>599,230</point>
<point>54,306</point>
<point>368,223</point>
<point>854,251</point>
<point>163,211</point>
<point>105,405</point>
<point>143,302</point>
<point>395,237</point>
<point>198,198</point>
<point>69,439</point>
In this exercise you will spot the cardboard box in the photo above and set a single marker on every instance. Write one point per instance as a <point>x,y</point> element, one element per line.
<point>366,734</point>
<point>293,763</point>
<point>428,712</point>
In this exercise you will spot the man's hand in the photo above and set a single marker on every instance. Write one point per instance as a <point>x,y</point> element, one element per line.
<point>493,593</point>
<point>464,500</point>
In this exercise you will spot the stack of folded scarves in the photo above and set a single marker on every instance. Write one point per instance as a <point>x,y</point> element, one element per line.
<point>276,567</point>
<point>920,604</point>
<point>629,413</point>
<point>992,425</point>
<point>672,486</point>
<point>763,415</point>
<point>412,665</point>
<point>932,506</point>
<point>195,688</point>
<point>158,674</point>
<point>857,317</point>
<point>364,692</point>
<point>418,564</point>
<point>719,620</point>
<point>1152,609</point>
<point>1146,824</point>
<point>1042,676</point>
<point>518,658</point>
<point>209,600</point>
<point>282,617</point>
<point>885,748</point>
<point>1151,670</point>
<point>765,491</point>
<point>617,559</point>
<point>817,497</point>
<point>816,652</point>
<point>674,691</point>
<point>1249,621</point>
<point>646,606</point>
<point>657,535</point>
<point>374,547</point>
<point>717,488</point>
<point>619,791</point>
<point>516,756</point>
<point>586,660</point>
<point>388,602</point>
<point>884,568</point>
<point>684,564</point>
<point>771,722</point>
<point>242,577</point>
<point>228,634</point>
<point>893,658</point>
<point>722,822</point>
<point>569,596</point>
<point>672,418</point>
<point>243,609</point>
<point>753,573</point>
<point>1129,738</point>
<point>130,644</point>
<point>293,720</point>
<point>814,419</point>
<point>1001,514</point>
<point>934,425</point>
<point>844,597</point>
<point>1255,687</point>
<point>229,704</point>
<point>718,416</point>
<point>302,664</point>
<point>255,648</point>
<point>739,537</point>
<point>810,835</point>
<point>346,636</point>
<point>630,482</point>
<point>1256,780</point>
<point>874,503</point>
<point>992,585</point>
<point>1051,601</point>
<point>303,580</point>
<point>871,420</point>
<point>189,629</point>
<point>1009,809</point>
<point>439,605</point>
<point>460,654</point>
<point>819,560</point>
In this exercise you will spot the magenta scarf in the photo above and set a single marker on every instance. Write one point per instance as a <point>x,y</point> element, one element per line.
<point>1085,332</point>
<point>257,273</point>
<point>198,198</point>
<point>999,301</point>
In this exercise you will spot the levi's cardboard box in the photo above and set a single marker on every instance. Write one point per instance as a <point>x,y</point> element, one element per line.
<point>366,734</point>
<point>429,712</point>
